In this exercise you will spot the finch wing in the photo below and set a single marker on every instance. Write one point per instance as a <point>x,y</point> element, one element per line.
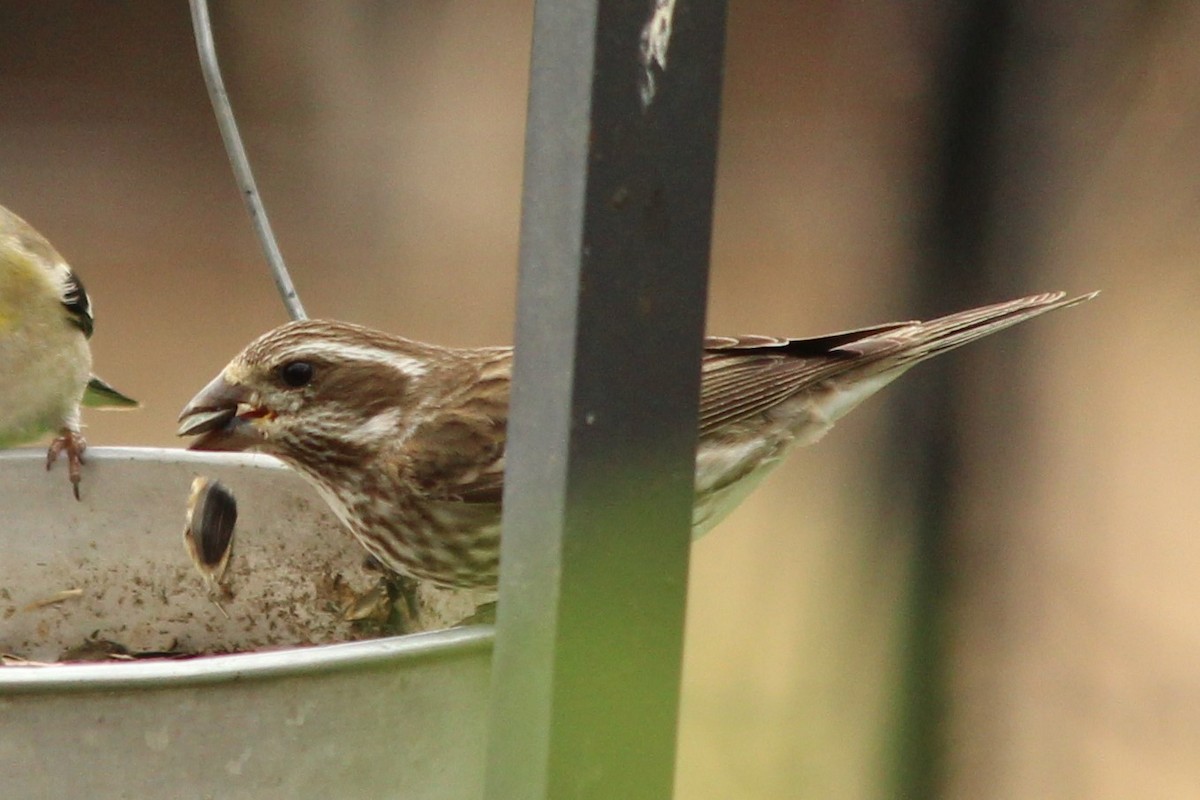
<point>457,453</point>
<point>744,376</point>
<point>19,237</point>
<point>747,375</point>
<point>79,307</point>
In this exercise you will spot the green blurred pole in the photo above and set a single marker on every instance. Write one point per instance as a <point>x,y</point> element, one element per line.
<point>615,234</point>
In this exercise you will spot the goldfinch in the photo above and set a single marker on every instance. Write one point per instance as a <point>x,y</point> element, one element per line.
<point>45,362</point>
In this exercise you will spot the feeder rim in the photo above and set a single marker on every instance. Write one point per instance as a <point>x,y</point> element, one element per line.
<point>171,454</point>
<point>207,670</point>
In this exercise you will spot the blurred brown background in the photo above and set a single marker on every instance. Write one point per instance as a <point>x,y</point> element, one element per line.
<point>387,139</point>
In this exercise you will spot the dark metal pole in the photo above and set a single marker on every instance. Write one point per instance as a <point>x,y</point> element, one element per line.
<point>619,171</point>
<point>957,267</point>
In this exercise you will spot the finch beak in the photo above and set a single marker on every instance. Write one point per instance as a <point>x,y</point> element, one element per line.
<point>223,416</point>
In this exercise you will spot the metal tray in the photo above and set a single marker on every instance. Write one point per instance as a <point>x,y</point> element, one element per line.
<point>395,716</point>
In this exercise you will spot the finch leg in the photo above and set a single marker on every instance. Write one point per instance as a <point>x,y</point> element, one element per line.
<point>405,608</point>
<point>73,444</point>
<point>484,614</point>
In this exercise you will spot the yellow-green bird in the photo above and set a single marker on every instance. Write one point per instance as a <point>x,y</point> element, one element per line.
<point>45,362</point>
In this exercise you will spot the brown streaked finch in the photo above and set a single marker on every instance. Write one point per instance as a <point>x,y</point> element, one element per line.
<point>405,440</point>
<point>45,362</point>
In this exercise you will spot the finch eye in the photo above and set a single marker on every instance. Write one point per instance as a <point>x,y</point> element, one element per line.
<point>296,373</point>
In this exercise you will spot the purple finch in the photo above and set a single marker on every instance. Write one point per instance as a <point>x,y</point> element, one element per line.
<point>405,440</point>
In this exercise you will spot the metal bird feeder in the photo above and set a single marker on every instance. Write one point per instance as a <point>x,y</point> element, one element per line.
<point>269,715</point>
<point>620,169</point>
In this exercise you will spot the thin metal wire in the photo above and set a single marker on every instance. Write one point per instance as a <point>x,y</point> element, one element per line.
<point>237,158</point>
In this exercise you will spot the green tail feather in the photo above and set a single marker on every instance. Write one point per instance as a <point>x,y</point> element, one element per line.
<point>99,394</point>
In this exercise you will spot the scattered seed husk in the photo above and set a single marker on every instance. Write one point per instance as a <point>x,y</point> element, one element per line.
<point>54,599</point>
<point>208,533</point>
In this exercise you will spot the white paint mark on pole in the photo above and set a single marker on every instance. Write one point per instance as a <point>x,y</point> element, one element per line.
<point>656,37</point>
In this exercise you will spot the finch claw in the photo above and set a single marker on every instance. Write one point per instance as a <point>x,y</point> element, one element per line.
<point>73,444</point>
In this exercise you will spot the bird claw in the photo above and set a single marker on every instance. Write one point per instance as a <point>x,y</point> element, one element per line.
<point>484,614</point>
<point>73,444</point>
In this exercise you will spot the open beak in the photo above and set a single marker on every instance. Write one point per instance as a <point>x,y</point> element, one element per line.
<point>222,416</point>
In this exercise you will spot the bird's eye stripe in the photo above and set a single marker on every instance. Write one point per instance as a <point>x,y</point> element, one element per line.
<point>341,352</point>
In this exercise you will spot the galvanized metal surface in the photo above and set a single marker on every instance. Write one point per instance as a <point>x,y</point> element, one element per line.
<point>620,162</point>
<point>392,718</point>
<point>399,716</point>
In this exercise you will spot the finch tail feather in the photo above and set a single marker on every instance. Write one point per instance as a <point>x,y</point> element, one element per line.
<point>99,394</point>
<point>922,340</point>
